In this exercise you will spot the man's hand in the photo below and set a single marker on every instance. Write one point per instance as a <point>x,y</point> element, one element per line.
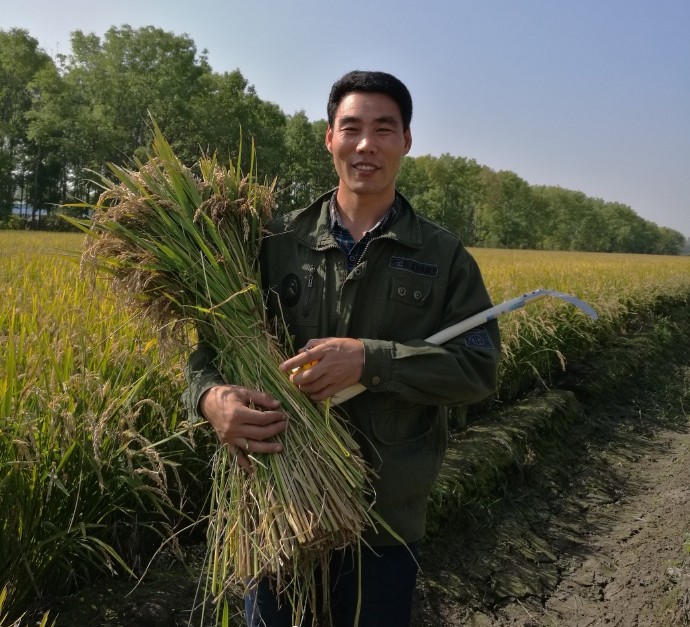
<point>244,419</point>
<point>340,363</point>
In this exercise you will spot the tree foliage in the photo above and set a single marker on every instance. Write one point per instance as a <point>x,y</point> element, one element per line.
<point>447,189</point>
<point>22,171</point>
<point>306,170</point>
<point>62,118</point>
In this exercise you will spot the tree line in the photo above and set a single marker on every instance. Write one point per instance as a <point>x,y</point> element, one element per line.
<point>63,118</point>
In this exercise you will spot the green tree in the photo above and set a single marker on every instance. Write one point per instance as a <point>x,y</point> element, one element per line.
<point>20,159</point>
<point>570,220</point>
<point>227,109</point>
<point>307,169</point>
<point>128,76</point>
<point>446,189</point>
<point>413,179</point>
<point>96,107</point>
<point>508,217</point>
<point>670,242</point>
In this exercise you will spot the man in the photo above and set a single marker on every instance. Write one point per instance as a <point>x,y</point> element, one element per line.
<point>361,280</point>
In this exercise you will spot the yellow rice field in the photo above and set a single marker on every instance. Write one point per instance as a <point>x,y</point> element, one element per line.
<point>89,405</point>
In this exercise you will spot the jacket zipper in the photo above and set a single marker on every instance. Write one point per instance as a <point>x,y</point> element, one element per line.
<point>310,288</point>
<point>364,252</point>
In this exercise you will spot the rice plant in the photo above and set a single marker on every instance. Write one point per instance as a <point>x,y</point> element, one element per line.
<point>539,339</point>
<point>86,474</point>
<point>7,622</point>
<point>184,243</point>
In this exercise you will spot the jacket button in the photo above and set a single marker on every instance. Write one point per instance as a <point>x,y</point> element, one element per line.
<point>402,291</point>
<point>375,380</point>
<point>417,295</point>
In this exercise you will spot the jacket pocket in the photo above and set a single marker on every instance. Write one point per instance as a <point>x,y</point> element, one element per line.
<point>410,444</point>
<point>410,291</point>
<point>300,292</point>
<point>309,306</point>
<point>407,310</point>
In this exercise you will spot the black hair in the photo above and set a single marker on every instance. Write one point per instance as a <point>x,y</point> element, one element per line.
<point>371,82</point>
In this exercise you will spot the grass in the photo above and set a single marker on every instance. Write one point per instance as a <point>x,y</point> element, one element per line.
<point>182,244</point>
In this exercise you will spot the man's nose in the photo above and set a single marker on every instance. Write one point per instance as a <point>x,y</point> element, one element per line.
<point>367,143</point>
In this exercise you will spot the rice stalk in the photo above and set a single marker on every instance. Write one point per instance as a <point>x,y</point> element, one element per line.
<point>182,244</point>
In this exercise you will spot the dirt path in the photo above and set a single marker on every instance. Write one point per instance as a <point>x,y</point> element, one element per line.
<point>597,533</point>
<point>635,573</point>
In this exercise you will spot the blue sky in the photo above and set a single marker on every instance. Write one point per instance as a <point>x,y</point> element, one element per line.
<point>592,95</point>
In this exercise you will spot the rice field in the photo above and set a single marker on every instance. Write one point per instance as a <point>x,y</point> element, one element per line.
<point>90,474</point>
<point>539,339</point>
<point>97,464</point>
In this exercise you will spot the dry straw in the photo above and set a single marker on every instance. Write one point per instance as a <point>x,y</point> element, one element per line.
<point>183,245</point>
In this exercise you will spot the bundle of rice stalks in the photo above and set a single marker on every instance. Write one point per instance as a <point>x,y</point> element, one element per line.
<point>182,244</point>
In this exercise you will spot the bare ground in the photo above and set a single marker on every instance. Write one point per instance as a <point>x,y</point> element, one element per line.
<point>597,532</point>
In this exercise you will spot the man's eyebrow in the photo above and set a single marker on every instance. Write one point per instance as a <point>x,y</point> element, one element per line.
<point>353,119</point>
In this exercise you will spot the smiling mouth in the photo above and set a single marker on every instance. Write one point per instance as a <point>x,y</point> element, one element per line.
<point>365,167</point>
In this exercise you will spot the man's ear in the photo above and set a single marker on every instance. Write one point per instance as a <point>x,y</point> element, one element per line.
<point>408,141</point>
<point>329,138</point>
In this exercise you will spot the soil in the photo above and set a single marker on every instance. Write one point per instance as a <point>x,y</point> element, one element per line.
<point>594,530</point>
<point>597,532</point>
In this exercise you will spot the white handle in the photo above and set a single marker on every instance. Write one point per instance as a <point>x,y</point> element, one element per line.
<point>473,321</point>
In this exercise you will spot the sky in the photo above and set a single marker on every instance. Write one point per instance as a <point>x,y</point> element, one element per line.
<point>589,95</point>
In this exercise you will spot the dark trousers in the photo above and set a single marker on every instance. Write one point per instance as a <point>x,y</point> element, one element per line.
<point>389,575</point>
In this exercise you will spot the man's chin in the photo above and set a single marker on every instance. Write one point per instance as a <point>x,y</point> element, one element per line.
<point>365,187</point>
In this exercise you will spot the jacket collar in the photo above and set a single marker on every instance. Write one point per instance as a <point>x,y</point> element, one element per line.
<point>310,226</point>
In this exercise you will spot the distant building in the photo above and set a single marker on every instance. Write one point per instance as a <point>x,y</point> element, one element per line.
<point>28,212</point>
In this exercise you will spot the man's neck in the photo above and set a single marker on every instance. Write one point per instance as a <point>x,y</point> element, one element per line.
<point>361,212</point>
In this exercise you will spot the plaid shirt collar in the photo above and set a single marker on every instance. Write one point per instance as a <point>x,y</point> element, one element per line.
<point>344,238</point>
<point>341,233</point>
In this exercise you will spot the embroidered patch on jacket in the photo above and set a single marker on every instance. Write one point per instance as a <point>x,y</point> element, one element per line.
<point>290,290</point>
<point>477,338</point>
<point>414,266</point>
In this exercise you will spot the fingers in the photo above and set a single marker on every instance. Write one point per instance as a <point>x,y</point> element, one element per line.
<point>255,439</point>
<point>239,405</point>
<point>253,427</point>
<point>262,432</point>
<point>244,461</point>
<point>250,417</point>
<point>244,447</point>
<point>318,385</point>
<point>302,359</point>
<point>311,344</point>
<point>260,399</point>
<point>244,419</point>
<point>326,366</point>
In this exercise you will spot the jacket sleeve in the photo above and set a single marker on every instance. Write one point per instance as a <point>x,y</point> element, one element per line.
<point>201,375</point>
<point>461,371</point>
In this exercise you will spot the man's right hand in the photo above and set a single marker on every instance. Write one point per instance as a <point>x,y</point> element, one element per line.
<point>243,419</point>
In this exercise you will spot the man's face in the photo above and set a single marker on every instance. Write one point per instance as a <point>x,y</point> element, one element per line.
<point>367,142</point>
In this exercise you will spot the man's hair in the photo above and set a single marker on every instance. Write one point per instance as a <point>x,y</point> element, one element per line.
<point>373,83</point>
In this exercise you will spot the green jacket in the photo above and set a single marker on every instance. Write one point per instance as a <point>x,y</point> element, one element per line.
<point>411,282</point>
